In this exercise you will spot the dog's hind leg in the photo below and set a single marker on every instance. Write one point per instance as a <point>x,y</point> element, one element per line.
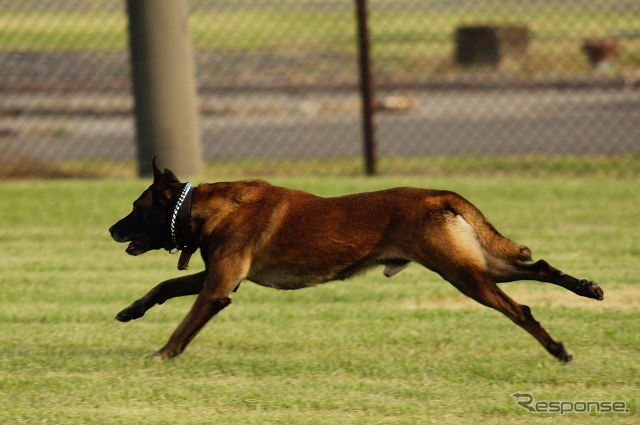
<point>543,272</point>
<point>479,286</point>
<point>172,288</point>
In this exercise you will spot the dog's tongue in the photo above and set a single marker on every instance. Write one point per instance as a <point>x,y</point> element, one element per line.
<point>133,246</point>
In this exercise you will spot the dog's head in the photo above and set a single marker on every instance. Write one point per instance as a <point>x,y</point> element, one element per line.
<point>148,226</point>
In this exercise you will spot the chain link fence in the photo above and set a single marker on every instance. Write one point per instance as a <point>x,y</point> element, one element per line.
<point>534,86</point>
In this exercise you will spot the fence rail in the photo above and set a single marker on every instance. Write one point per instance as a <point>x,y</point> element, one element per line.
<point>278,87</point>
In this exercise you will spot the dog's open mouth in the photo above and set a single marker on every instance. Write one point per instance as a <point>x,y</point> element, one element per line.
<point>136,246</point>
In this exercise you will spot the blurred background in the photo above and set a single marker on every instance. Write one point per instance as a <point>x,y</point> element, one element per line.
<point>533,87</point>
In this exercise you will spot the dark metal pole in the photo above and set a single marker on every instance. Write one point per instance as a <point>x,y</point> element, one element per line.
<point>366,88</point>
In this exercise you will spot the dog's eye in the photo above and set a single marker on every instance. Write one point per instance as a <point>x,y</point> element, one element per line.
<point>154,218</point>
<point>137,210</point>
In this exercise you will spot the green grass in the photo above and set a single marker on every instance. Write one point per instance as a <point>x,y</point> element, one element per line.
<point>366,351</point>
<point>414,40</point>
<point>521,165</point>
<point>612,166</point>
<point>273,26</point>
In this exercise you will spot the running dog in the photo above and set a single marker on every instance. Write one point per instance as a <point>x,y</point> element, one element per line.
<point>289,239</point>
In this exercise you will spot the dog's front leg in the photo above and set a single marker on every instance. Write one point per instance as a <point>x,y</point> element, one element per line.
<point>172,288</point>
<point>221,279</point>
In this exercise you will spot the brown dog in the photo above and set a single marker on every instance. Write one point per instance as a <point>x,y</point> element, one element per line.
<point>289,239</point>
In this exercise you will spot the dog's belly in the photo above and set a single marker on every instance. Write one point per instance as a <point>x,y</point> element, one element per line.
<point>284,285</point>
<point>296,277</point>
<point>280,279</point>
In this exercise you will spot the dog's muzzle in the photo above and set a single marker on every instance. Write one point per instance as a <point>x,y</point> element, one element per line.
<point>136,245</point>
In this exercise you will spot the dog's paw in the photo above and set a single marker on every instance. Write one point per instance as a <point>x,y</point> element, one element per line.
<point>134,311</point>
<point>155,356</point>
<point>163,354</point>
<point>591,289</point>
<point>561,353</point>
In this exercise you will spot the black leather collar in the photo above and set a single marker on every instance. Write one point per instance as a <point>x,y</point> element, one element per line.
<point>181,229</point>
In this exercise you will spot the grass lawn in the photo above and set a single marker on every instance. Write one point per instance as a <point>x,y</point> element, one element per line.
<point>413,39</point>
<point>259,26</point>
<point>371,350</point>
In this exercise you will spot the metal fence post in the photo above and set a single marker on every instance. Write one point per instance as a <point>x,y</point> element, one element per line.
<point>366,88</point>
<point>164,86</point>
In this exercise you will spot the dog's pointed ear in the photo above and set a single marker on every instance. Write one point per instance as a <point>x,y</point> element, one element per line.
<point>164,184</point>
<point>161,178</point>
<point>157,174</point>
<point>169,177</point>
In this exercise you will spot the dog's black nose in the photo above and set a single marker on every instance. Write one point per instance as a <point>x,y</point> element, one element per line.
<point>115,235</point>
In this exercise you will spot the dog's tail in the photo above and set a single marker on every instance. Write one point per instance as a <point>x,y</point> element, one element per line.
<point>490,239</point>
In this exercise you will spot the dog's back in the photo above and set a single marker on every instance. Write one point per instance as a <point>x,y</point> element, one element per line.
<point>304,239</point>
